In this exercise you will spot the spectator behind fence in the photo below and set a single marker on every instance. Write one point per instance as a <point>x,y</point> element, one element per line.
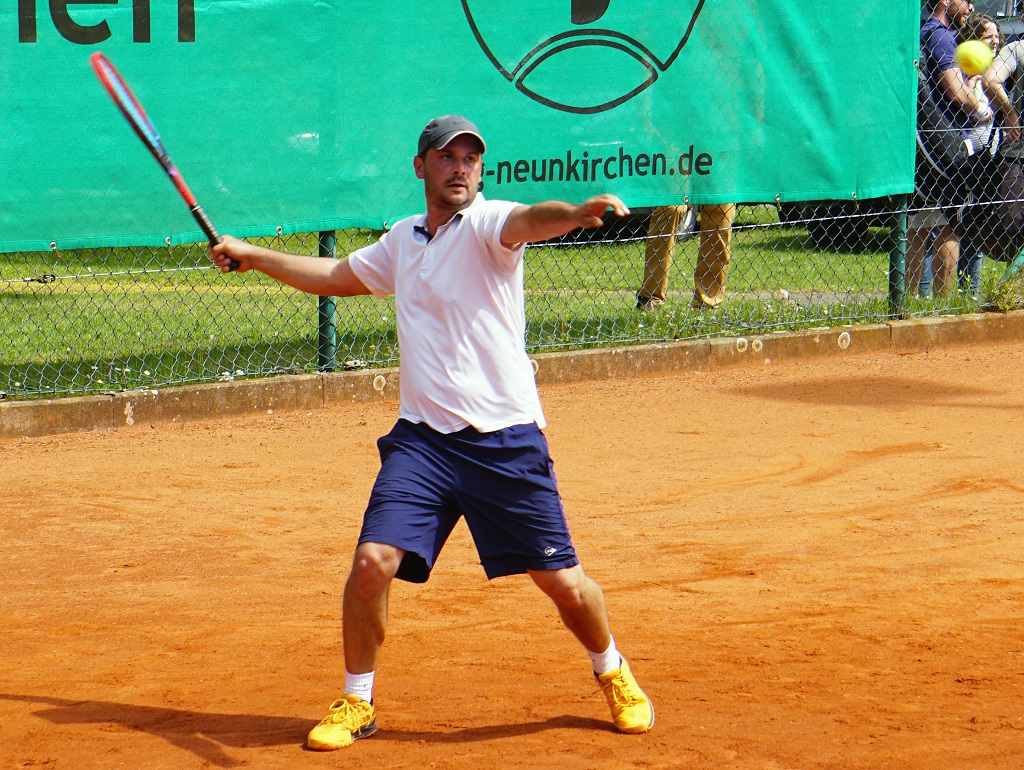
<point>984,137</point>
<point>923,226</point>
<point>960,103</point>
<point>1009,63</point>
<point>982,134</point>
<point>955,96</point>
<point>713,255</point>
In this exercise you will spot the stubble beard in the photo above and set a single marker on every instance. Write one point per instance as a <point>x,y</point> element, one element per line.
<point>456,199</point>
<point>960,16</point>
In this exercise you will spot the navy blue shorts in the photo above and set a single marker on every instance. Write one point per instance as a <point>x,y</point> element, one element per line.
<point>502,482</point>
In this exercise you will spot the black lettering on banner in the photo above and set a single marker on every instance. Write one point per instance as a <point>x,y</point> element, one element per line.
<point>620,165</point>
<point>571,172</point>
<point>686,162</point>
<point>140,21</point>
<point>561,169</point>
<point>26,21</point>
<point>624,158</point>
<point>72,31</point>
<point>186,21</point>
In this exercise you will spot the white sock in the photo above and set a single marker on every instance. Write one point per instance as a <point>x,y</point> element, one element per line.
<point>359,684</point>
<point>606,661</point>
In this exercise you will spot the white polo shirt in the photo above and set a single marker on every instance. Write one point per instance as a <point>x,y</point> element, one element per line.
<point>460,318</point>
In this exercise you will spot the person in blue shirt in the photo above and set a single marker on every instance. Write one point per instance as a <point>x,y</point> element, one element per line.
<point>949,86</point>
<point>961,103</point>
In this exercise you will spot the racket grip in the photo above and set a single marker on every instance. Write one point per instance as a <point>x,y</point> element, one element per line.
<point>209,229</point>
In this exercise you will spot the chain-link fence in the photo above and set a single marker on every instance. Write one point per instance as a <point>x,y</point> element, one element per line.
<point>94,320</point>
<point>99,320</point>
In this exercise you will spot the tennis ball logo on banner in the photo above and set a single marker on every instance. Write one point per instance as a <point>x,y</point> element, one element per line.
<point>582,56</point>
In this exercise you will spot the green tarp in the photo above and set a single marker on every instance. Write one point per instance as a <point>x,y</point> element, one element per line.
<point>304,115</point>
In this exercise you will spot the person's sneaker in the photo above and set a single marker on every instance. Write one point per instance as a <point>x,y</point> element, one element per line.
<point>648,304</point>
<point>632,710</point>
<point>350,719</point>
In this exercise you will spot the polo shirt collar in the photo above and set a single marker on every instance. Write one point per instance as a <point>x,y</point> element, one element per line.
<point>456,217</point>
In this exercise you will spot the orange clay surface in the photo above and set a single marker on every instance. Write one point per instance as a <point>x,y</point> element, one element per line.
<point>811,565</point>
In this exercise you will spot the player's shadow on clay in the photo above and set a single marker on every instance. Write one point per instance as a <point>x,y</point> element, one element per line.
<point>205,734</point>
<point>495,732</point>
<point>202,734</point>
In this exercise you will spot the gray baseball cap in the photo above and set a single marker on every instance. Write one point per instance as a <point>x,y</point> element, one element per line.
<point>442,130</point>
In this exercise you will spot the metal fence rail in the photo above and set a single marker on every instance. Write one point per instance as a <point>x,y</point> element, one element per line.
<point>99,320</point>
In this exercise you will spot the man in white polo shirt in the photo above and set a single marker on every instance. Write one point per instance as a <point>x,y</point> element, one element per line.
<point>468,441</point>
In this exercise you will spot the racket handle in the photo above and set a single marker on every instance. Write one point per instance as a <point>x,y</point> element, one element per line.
<point>209,229</point>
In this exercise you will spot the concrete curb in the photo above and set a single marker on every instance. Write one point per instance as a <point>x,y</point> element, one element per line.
<point>41,417</point>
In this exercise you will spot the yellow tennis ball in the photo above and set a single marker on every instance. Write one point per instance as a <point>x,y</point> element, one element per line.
<point>974,56</point>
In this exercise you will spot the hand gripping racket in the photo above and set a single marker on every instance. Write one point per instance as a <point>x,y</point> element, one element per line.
<point>140,122</point>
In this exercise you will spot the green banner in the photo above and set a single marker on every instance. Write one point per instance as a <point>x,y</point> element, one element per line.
<point>304,115</point>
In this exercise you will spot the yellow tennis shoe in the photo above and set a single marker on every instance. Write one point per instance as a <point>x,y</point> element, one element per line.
<point>632,711</point>
<point>350,719</point>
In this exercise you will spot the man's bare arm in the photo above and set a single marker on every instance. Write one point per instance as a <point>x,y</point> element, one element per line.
<point>994,81</point>
<point>551,219</point>
<point>958,91</point>
<point>313,275</point>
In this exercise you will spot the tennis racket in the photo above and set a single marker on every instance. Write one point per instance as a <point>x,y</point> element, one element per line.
<point>136,116</point>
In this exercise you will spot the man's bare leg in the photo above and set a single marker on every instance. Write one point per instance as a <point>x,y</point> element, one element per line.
<point>364,614</point>
<point>580,603</point>
<point>945,255</point>
<point>364,622</point>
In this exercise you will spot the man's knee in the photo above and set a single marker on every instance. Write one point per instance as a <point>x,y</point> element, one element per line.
<point>374,566</point>
<point>568,587</point>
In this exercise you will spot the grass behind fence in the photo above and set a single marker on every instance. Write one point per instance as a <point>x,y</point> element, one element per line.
<point>108,319</point>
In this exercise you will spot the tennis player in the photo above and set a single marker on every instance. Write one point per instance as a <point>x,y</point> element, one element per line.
<point>468,441</point>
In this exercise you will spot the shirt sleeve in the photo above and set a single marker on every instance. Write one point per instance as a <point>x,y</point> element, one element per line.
<point>374,265</point>
<point>942,46</point>
<point>488,222</point>
<point>1011,54</point>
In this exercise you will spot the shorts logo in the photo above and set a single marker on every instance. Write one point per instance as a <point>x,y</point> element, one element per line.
<point>582,56</point>
<point>549,550</point>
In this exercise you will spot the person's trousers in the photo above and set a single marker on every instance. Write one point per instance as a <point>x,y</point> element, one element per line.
<point>712,268</point>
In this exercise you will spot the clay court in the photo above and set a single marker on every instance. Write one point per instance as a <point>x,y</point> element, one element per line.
<point>811,565</point>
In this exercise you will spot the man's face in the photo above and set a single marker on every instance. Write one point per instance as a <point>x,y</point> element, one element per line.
<point>451,175</point>
<point>958,11</point>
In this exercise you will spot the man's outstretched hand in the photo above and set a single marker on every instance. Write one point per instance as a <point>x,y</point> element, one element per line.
<point>591,212</point>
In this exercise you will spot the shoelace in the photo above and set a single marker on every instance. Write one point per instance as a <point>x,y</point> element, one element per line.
<point>622,691</point>
<point>344,711</point>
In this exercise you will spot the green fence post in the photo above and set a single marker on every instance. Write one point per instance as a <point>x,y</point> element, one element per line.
<point>327,336</point>
<point>898,258</point>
